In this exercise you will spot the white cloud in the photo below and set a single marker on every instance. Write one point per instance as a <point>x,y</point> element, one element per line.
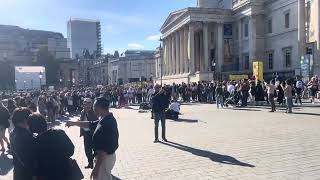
<point>135,46</point>
<point>154,37</point>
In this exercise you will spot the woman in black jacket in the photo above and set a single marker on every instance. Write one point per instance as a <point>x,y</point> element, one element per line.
<point>259,93</point>
<point>53,150</point>
<point>22,146</point>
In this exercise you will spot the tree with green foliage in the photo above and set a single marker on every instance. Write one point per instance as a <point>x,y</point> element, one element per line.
<point>116,54</point>
<point>6,75</point>
<point>46,59</point>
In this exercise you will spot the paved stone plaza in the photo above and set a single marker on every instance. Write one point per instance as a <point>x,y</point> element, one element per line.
<point>208,143</point>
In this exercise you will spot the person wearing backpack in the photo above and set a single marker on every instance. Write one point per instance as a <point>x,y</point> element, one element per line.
<point>299,89</point>
<point>219,95</point>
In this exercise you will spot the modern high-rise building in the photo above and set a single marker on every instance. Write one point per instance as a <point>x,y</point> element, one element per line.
<point>84,34</point>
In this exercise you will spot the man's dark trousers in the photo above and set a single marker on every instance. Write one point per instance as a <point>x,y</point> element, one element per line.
<point>87,140</point>
<point>160,116</point>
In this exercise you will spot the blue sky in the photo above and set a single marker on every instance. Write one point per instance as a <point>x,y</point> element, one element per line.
<point>126,24</point>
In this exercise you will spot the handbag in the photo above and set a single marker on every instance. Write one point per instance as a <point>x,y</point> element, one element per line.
<point>75,171</point>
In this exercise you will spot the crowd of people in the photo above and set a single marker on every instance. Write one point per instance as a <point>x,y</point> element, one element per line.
<point>43,152</point>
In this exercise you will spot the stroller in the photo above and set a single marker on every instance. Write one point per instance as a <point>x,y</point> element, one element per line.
<point>232,99</point>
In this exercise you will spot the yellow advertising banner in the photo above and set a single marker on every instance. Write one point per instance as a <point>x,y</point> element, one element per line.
<point>237,77</point>
<point>258,70</point>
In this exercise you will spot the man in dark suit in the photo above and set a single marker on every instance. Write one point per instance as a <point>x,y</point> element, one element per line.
<point>159,105</point>
<point>87,114</point>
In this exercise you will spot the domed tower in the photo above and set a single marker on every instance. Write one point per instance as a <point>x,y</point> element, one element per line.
<point>208,3</point>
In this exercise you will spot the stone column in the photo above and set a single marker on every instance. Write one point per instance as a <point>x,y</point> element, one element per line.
<point>240,43</point>
<point>185,50</point>
<point>173,55</point>
<point>177,62</point>
<point>191,49</point>
<point>206,47</point>
<point>165,57</point>
<point>220,43</point>
<point>301,28</point>
<point>252,41</point>
<point>182,58</point>
<point>169,54</point>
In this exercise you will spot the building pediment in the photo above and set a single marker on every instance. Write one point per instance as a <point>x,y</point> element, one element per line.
<point>173,17</point>
<point>179,18</point>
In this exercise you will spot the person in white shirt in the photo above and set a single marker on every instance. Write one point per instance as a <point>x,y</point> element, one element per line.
<point>231,88</point>
<point>87,114</point>
<point>271,94</point>
<point>150,93</point>
<point>173,111</point>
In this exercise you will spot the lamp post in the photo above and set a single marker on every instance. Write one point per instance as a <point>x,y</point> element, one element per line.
<point>161,73</point>
<point>24,85</point>
<point>161,62</point>
<point>214,69</point>
<point>40,79</point>
<point>16,81</point>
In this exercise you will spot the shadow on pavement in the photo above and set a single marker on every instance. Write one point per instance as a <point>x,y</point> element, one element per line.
<point>6,164</point>
<point>115,178</point>
<point>245,109</point>
<point>128,107</point>
<point>310,114</point>
<point>190,104</point>
<point>186,120</point>
<point>207,154</point>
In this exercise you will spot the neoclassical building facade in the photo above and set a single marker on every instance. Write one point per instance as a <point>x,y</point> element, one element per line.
<point>222,37</point>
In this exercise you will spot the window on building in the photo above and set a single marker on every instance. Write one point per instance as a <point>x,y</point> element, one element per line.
<point>236,33</point>
<point>212,37</point>
<point>288,57</point>
<point>270,26</point>
<point>309,50</point>
<point>270,60</point>
<point>308,18</point>
<point>287,20</point>
<point>234,2</point>
<point>246,29</point>
<point>246,62</point>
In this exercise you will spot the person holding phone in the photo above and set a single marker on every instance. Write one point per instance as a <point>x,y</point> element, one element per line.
<point>104,139</point>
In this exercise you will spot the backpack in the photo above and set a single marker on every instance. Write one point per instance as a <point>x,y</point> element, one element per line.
<point>299,84</point>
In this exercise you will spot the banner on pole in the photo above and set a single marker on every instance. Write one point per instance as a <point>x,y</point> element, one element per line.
<point>258,70</point>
